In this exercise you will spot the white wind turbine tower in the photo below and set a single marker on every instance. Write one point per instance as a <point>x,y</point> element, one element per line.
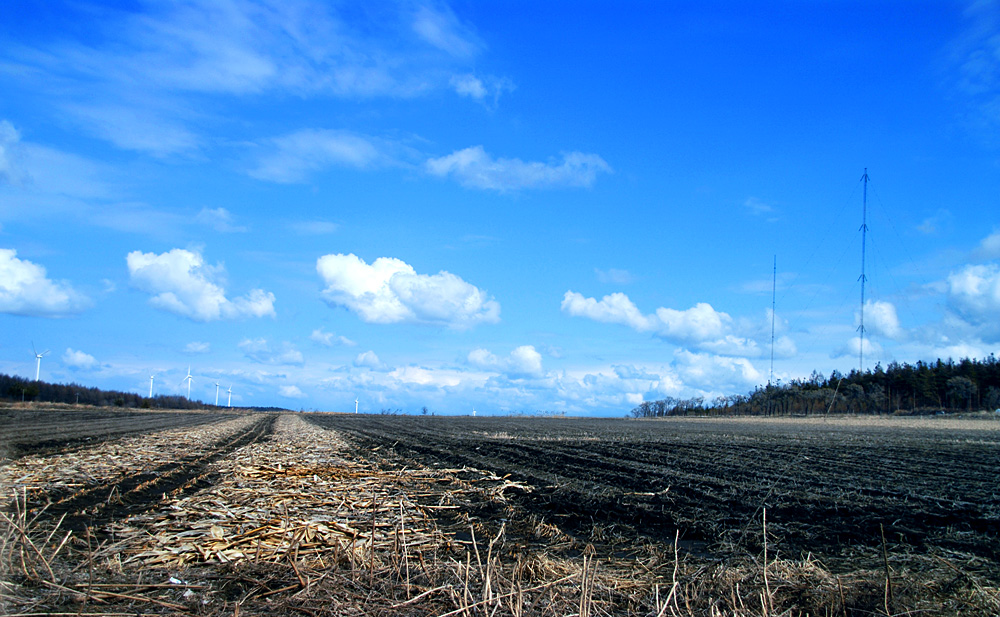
<point>38,363</point>
<point>151,385</point>
<point>216,394</point>
<point>356,405</point>
<point>230,403</point>
<point>188,379</point>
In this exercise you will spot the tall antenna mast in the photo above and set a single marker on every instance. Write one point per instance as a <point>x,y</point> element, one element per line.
<point>774,287</point>
<point>863,278</point>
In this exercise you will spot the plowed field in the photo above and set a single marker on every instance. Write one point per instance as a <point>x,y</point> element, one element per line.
<point>201,513</point>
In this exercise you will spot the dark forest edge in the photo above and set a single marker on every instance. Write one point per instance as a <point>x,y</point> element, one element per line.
<point>913,389</point>
<point>15,388</point>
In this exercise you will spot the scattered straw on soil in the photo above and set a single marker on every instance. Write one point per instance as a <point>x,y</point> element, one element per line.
<point>299,523</point>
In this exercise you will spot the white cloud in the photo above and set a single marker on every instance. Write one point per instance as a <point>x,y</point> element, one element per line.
<point>197,347</point>
<point>852,348</point>
<point>182,283</point>
<point>474,168</point>
<point>368,359</point>
<point>10,171</point>
<point>142,78</point>
<point>291,392</point>
<point>716,373</point>
<point>469,85</point>
<point>219,219</point>
<point>78,360</point>
<point>989,248</point>
<point>701,325</point>
<point>442,29</point>
<point>26,290</point>
<point>974,293</point>
<point>329,339</point>
<point>880,319</point>
<point>293,157</point>
<point>135,127</point>
<point>260,350</point>
<point>612,308</point>
<point>486,91</point>
<point>523,361</point>
<point>390,291</point>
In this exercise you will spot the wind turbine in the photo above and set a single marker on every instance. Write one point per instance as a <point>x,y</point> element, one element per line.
<point>230,403</point>
<point>151,385</point>
<point>38,358</point>
<point>473,411</point>
<point>216,394</point>
<point>355,405</point>
<point>188,379</point>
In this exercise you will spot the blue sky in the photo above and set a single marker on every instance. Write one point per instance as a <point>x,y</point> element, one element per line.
<point>512,206</point>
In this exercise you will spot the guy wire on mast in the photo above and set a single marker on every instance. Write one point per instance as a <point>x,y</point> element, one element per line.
<point>774,286</point>
<point>862,278</point>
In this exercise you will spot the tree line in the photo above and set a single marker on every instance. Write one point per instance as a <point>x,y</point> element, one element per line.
<point>20,389</point>
<point>920,388</point>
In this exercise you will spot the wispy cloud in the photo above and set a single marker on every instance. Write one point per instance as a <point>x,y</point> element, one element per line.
<point>474,168</point>
<point>329,339</point>
<point>615,276</point>
<point>147,79</point>
<point>261,351</point>
<point>293,157</point>
<point>219,219</point>
<point>438,26</point>
<point>313,228</point>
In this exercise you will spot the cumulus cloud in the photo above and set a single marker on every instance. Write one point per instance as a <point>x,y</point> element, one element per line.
<point>715,373</point>
<point>293,157</point>
<point>474,168</point>
<point>25,289</point>
<point>523,361</point>
<point>329,339</point>
<point>881,319</point>
<point>390,291</point>
<point>612,308</point>
<point>291,392</point>
<point>219,219</point>
<point>369,359</point>
<point>701,325</point>
<point>974,294</point>
<point>76,359</point>
<point>182,283</point>
<point>260,350</point>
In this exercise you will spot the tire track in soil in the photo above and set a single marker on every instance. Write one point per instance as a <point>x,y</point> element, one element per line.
<point>97,506</point>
